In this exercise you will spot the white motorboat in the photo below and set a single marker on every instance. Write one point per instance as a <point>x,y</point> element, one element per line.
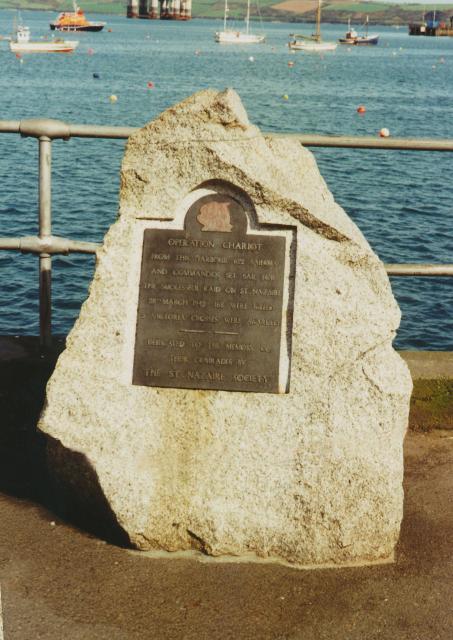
<point>20,43</point>
<point>352,37</point>
<point>313,43</point>
<point>233,36</point>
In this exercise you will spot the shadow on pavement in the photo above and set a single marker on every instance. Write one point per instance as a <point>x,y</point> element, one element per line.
<point>24,372</point>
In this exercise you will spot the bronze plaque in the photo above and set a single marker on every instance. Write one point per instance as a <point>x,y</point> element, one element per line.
<point>210,303</point>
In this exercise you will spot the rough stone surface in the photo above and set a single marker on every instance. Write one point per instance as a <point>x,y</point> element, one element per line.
<point>313,477</point>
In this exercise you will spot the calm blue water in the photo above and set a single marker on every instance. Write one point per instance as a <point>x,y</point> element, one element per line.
<point>402,201</point>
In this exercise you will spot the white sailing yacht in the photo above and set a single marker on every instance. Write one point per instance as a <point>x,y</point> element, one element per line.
<point>232,36</point>
<point>314,42</point>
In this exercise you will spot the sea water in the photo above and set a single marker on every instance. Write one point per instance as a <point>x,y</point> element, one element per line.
<point>402,201</point>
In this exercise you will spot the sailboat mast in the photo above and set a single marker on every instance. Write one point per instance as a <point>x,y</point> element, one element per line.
<point>225,15</point>
<point>318,22</point>
<point>247,18</point>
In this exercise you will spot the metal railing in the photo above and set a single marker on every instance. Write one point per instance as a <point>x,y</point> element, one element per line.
<point>45,245</point>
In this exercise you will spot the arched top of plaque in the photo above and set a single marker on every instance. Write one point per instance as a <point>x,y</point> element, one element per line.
<point>216,213</point>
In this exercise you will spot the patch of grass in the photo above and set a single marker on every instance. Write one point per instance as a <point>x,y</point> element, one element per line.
<point>210,9</point>
<point>359,7</point>
<point>378,7</point>
<point>95,6</point>
<point>427,7</point>
<point>431,405</point>
<point>337,12</point>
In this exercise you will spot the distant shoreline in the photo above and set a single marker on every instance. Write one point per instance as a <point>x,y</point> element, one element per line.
<point>333,13</point>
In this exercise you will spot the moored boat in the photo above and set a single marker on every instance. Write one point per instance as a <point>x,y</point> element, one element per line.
<point>352,37</point>
<point>371,39</point>
<point>313,43</point>
<point>233,36</point>
<point>305,43</point>
<point>75,21</point>
<point>20,43</point>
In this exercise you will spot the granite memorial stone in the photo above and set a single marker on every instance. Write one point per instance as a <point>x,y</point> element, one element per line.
<point>230,385</point>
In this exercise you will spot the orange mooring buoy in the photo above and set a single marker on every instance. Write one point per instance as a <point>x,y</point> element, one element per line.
<point>361,109</point>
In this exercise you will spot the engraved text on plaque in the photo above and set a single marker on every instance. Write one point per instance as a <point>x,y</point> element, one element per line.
<point>210,308</point>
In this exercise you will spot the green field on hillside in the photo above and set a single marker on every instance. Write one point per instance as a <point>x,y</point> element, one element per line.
<point>358,7</point>
<point>375,7</point>
<point>204,8</point>
<point>215,9</point>
<point>42,5</point>
<point>379,12</point>
<point>97,6</point>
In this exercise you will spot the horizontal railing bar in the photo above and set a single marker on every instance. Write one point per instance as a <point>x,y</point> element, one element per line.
<point>31,128</point>
<point>52,245</point>
<point>419,269</point>
<point>362,142</point>
<point>10,244</point>
<point>9,126</point>
<point>95,131</point>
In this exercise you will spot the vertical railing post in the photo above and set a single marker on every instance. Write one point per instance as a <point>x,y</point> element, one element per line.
<point>45,230</point>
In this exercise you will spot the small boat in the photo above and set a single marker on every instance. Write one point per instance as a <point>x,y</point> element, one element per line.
<point>20,43</point>
<point>372,38</point>
<point>313,43</point>
<point>352,37</point>
<point>75,21</point>
<point>232,36</point>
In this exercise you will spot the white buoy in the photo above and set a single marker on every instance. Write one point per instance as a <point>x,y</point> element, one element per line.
<point>384,132</point>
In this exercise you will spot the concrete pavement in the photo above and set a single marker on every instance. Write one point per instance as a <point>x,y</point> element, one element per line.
<point>58,581</point>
